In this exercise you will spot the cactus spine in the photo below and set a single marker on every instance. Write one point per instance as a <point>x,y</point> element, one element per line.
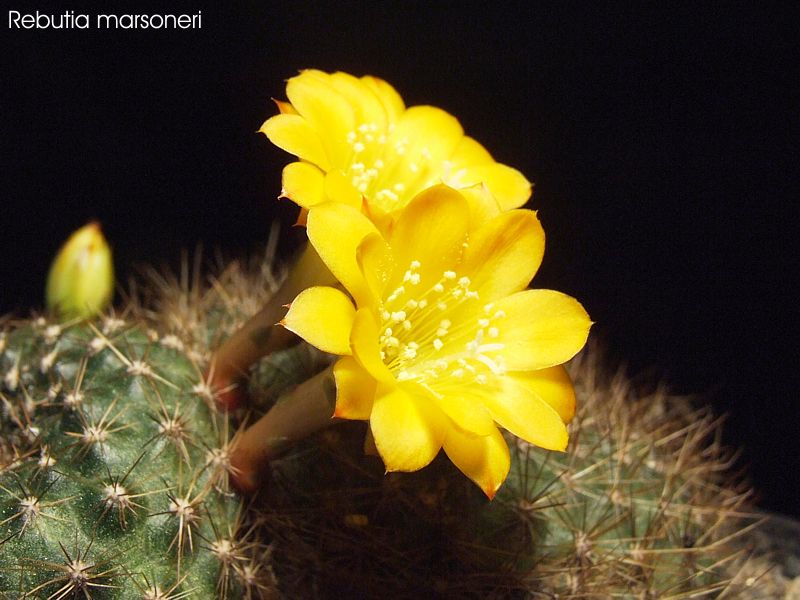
<point>113,481</point>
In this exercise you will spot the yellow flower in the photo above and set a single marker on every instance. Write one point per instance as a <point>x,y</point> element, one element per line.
<point>357,141</point>
<point>444,343</point>
<point>81,279</point>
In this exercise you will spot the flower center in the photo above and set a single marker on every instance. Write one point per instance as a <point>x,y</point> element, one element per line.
<point>385,169</point>
<point>438,333</point>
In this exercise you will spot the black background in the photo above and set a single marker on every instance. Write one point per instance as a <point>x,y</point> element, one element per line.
<point>662,142</point>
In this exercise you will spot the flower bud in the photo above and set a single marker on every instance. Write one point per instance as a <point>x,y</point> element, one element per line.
<point>81,279</point>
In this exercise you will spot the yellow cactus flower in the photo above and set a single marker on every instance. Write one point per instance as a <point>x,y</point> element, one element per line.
<point>81,279</point>
<point>358,143</point>
<point>443,343</point>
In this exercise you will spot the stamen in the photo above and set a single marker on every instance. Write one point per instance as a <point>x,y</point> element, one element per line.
<point>410,350</point>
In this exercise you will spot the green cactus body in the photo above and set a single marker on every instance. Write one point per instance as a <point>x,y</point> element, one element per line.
<point>114,482</point>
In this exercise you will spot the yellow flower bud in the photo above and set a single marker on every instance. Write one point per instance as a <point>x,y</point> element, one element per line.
<point>81,279</point>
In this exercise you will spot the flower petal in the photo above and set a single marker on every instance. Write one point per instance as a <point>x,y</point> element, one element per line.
<point>482,205</point>
<point>469,152</point>
<point>508,185</point>
<point>539,329</point>
<point>552,385</point>
<point>376,262</point>
<point>391,100</point>
<point>516,408</point>
<point>355,390</point>
<point>432,230</point>
<point>484,459</point>
<point>429,132</point>
<point>422,140</point>
<point>294,134</point>
<point>468,413</point>
<point>322,316</point>
<point>408,429</point>
<point>504,254</point>
<point>336,230</point>
<point>364,345</point>
<point>368,107</point>
<point>339,189</point>
<point>303,184</point>
<point>325,110</point>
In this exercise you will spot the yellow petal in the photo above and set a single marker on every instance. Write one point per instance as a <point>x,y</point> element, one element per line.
<point>508,185</point>
<point>516,408</point>
<point>322,316</point>
<point>482,205</point>
<point>552,385</point>
<point>326,111</point>
<point>336,230</point>
<point>376,262</point>
<point>355,390</point>
<point>381,219</point>
<point>303,184</point>
<point>469,152</point>
<point>294,134</point>
<point>504,254</point>
<point>429,128</point>
<point>432,230</point>
<point>391,100</point>
<point>339,189</point>
<point>540,328</point>
<point>368,107</point>
<point>468,413</point>
<point>408,429</point>
<point>427,136</point>
<point>484,459</point>
<point>364,345</point>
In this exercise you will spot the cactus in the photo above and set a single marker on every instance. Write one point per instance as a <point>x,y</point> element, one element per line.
<point>113,481</point>
<point>641,506</point>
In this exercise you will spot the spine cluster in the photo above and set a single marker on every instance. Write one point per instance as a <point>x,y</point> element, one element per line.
<point>114,471</point>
